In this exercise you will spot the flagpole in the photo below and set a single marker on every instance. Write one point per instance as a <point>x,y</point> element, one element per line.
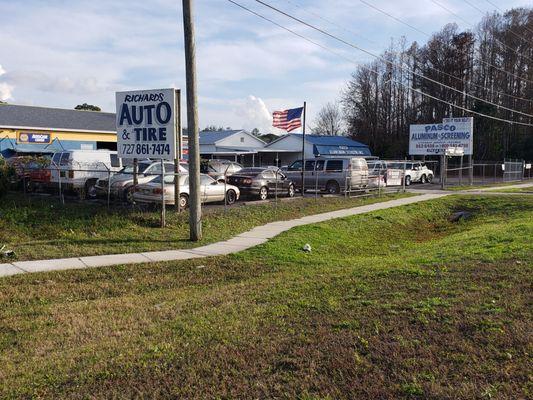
<point>303,152</point>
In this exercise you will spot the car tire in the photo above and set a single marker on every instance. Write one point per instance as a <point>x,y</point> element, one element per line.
<point>423,179</point>
<point>430,178</point>
<point>407,180</point>
<point>128,195</point>
<point>90,189</point>
<point>291,191</point>
<point>263,193</point>
<point>184,201</point>
<point>231,197</point>
<point>332,187</point>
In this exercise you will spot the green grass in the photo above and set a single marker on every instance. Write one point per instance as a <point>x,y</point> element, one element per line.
<point>485,186</point>
<point>43,228</point>
<point>528,189</point>
<point>398,303</point>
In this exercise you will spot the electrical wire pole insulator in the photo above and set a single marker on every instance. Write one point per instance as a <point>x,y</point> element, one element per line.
<point>195,210</point>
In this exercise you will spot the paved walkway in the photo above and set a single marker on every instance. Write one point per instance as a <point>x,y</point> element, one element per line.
<point>246,240</point>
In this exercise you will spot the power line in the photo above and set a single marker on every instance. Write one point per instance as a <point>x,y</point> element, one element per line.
<point>415,58</point>
<point>528,42</point>
<point>503,12</point>
<point>372,70</point>
<point>429,36</point>
<point>470,24</point>
<point>331,22</point>
<point>385,60</point>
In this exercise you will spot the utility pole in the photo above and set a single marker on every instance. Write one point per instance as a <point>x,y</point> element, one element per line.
<point>195,208</point>
<point>303,150</point>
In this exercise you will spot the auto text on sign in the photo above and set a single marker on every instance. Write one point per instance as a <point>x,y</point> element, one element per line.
<point>146,124</point>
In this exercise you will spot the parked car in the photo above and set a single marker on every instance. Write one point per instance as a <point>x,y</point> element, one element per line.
<point>24,166</point>
<point>261,182</point>
<point>122,181</point>
<point>414,172</point>
<point>331,175</point>
<point>211,191</point>
<point>218,169</point>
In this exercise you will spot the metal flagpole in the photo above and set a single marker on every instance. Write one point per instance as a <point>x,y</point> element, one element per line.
<point>303,151</point>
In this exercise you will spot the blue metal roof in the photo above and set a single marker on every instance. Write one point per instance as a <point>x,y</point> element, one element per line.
<point>326,140</point>
<point>212,137</point>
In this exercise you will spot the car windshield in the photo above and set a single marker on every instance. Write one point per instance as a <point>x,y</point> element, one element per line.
<point>141,167</point>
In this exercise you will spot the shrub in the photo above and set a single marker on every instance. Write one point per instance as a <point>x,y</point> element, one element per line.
<point>7,174</point>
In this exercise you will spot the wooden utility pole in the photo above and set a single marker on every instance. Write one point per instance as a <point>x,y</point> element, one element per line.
<point>195,211</point>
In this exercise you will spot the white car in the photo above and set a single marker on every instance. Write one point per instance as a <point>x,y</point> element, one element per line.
<point>211,191</point>
<point>122,182</point>
<point>417,172</point>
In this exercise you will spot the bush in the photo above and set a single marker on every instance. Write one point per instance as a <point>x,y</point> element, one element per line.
<point>7,174</point>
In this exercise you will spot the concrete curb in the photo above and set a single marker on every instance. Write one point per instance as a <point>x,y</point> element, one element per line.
<point>243,241</point>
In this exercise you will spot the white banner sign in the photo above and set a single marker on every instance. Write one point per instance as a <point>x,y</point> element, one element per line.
<point>434,139</point>
<point>146,124</point>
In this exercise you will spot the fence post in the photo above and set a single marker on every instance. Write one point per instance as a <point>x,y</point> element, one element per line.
<point>316,181</point>
<point>163,208</point>
<point>461,170</point>
<point>108,187</point>
<point>24,181</point>
<point>403,177</point>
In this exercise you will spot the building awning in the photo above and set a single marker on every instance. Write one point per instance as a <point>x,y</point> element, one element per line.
<point>338,150</point>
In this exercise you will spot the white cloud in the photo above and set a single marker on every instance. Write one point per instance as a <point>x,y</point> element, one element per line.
<point>6,89</point>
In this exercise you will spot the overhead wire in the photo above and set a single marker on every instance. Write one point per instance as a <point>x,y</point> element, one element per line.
<point>372,70</point>
<point>528,42</point>
<point>415,58</point>
<point>502,11</point>
<point>430,36</point>
<point>470,24</point>
<point>387,61</point>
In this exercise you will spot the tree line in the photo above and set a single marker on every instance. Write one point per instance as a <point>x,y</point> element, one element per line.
<point>493,62</point>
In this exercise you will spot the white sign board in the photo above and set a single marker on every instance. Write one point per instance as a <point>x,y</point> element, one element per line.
<point>434,139</point>
<point>146,124</point>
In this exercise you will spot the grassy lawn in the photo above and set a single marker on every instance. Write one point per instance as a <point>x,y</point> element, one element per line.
<point>528,189</point>
<point>399,303</point>
<point>488,185</point>
<point>43,228</point>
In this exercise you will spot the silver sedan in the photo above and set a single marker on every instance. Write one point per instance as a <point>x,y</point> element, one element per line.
<point>210,190</point>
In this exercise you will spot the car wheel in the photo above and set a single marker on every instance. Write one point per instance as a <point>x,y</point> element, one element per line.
<point>263,193</point>
<point>430,178</point>
<point>184,201</point>
<point>407,180</point>
<point>423,179</point>
<point>291,191</point>
<point>231,197</point>
<point>332,187</point>
<point>90,189</point>
<point>128,195</point>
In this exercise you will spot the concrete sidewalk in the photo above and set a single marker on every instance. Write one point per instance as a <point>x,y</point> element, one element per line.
<point>243,241</point>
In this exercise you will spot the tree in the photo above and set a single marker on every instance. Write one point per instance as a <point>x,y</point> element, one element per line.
<point>255,132</point>
<point>87,107</point>
<point>212,128</point>
<point>329,120</point>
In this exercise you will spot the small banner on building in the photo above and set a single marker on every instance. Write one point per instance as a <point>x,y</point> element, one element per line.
<point>34,138</point>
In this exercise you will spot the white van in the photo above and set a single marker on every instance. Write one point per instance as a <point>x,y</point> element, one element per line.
<point>79,170</point>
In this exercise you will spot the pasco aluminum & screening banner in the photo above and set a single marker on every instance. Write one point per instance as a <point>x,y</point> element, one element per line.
<point>146,124</point>
<point>434,139</point>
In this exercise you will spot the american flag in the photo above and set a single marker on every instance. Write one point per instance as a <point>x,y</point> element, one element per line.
<point>288,120</point>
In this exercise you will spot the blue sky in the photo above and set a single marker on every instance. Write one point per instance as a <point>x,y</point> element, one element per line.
<point>60,53</point>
